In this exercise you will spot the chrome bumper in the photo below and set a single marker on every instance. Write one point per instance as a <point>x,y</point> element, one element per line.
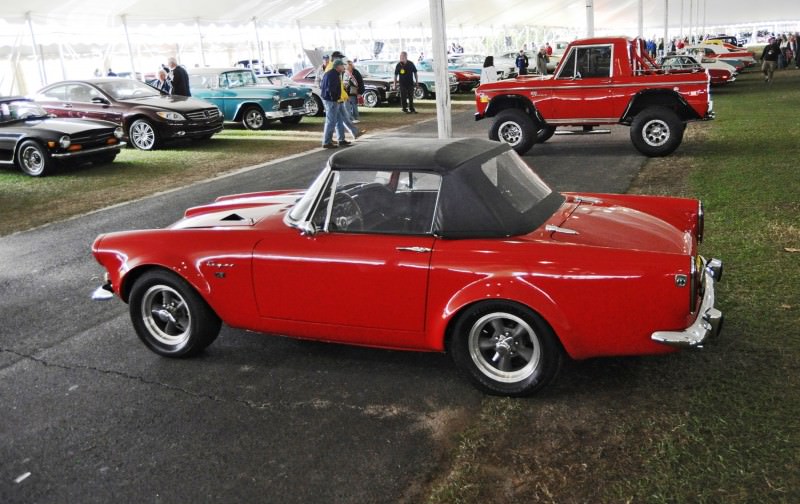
<point>103,293</point>
<point>709,320</point>
<point>87,152</point>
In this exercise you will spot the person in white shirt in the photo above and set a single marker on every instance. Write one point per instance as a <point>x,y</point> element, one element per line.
<point>488,72</point>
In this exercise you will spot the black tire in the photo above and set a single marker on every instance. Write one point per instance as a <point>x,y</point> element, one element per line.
<point>170,317</point>
<point>545,133</point>
<point>371,98</point>
<point>421,92</point>
<point>316,108</point>
<point>516,128</point>
<point>33,159</point>
<point>657,131</point>
<point>143,135</point>
<point>505,348</point>
<point>253,118</point>
<point>291,120</point>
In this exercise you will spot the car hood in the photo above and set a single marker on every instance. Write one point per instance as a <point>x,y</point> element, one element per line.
<point>69,126</point>
<point>169,102</point>
<point>240,210</point>
<point>620,227</point>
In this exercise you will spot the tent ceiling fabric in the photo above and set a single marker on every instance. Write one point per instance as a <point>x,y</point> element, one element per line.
<point>609,14</point>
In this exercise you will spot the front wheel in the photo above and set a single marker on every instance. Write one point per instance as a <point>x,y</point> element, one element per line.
<point>253,118</point>
<point>170,317</point>
<point>505,348</point>
<point>421,92</point>
<point>516,128</point>
<point>315,107</point>
<point>371,99</point>
<point>657,131</point>
<point>33,160</point>
<point>142,135</point>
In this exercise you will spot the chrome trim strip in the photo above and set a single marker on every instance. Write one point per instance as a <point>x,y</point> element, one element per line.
<point>420,250</point>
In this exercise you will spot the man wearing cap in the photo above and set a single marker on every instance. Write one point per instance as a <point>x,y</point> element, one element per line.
<point>336,115</point>
<point>321,70</point>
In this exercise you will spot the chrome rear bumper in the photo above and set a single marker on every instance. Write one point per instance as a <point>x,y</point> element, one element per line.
<point>709,321</point>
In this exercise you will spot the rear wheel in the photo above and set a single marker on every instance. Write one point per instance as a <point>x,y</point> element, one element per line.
<point>33,159</point>
<point>315,107</point>
<point>657,131</point>
<point>516,128</point>
<point>421,92</point>
<point>170,317</point>
<point>253,118</point>
<point>505,348</point>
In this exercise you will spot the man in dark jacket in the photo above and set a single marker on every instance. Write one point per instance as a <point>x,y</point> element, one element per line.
<point>769,59</point>
<point>180,78</point>
<point>331,92</point>
<point>522,63</point>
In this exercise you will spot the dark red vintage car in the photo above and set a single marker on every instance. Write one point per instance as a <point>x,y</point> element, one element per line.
<point>433,245</point>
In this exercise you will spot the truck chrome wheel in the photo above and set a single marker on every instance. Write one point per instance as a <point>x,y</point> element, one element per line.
<point>516,128</point>
<point>504,347</point>
<point>655,132</point>
<point>510,133</point>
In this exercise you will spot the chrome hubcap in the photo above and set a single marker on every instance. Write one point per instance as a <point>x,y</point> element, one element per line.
<point>143,136</point>
<point>254,119</point>
<point>510,133</point>
<point>166,315</point>
<point>655,132</point>
<point>33,160</point>
<point>504,347</point>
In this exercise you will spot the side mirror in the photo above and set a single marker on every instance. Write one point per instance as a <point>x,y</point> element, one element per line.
<point>101,100</point>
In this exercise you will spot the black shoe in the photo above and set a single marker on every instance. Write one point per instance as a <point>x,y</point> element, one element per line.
<point>405,110</point>
<point>413,111</point>
<point>329,146</point>
<point>344,143</point>
<point>360,133</point>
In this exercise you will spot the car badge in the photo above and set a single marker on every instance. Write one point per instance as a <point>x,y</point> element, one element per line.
<point>681,280</point>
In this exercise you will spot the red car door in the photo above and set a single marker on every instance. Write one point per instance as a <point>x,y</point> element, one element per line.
<point>344,279</point>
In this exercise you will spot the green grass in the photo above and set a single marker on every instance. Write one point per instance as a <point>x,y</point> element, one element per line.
<point>719,425</point>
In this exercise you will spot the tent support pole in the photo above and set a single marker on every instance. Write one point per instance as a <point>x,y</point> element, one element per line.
<point>300,36</point>
<point>258,43</point>
<point>590,18</point>
<point>130,47</point>
<point>200,38</point>
<point>36,55</point>
<point>666,27</point>
<point>640,12</point>
<point>439,52</point>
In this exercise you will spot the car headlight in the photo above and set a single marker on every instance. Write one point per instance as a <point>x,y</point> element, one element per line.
<point>64,142</point>
<point>170,116</point>
<point>276,98</point>
<point>119,132</point>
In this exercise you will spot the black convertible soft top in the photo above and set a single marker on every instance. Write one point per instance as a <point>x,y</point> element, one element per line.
<point>470,204</point>
<point>415,153</point>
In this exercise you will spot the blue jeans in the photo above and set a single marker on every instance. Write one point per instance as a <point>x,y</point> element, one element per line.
<point>331,119</point>
<point>343,121</point>
<point>352,104</point>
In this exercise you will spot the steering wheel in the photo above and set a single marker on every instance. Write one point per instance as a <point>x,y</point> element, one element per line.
<point>346,214</point>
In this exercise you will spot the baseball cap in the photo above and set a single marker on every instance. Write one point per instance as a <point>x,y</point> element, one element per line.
<point>338,62</point>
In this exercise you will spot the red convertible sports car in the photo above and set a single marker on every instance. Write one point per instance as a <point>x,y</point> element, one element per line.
<point>433,245</point>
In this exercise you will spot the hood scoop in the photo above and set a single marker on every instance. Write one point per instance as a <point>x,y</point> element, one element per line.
<point>233,217</point>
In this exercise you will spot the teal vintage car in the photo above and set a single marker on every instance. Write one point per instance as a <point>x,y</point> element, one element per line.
<point>427,80</point>
<point>242,98</point>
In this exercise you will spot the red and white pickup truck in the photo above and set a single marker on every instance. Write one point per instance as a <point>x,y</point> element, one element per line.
<point>609,80</point>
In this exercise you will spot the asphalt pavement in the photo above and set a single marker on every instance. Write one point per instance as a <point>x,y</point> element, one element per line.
<point>88,414</point>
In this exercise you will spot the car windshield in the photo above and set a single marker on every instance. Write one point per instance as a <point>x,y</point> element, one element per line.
<point>126,89</point>
<point>238,78</point>
<point>280,80</point>
<point>20,110</point>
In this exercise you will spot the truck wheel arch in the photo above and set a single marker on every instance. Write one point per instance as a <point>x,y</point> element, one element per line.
<point>666,98</point>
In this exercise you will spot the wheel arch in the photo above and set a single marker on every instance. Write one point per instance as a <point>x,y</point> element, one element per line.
<point>508,101</point>
<point>195,280</point>
<point>243,106</point>
<point>658,98</point>
<point>509,291</point>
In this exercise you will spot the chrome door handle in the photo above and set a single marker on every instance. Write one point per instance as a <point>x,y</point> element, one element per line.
<point>420,250</point>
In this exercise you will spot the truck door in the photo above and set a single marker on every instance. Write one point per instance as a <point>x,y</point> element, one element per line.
<point>584,86</point>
